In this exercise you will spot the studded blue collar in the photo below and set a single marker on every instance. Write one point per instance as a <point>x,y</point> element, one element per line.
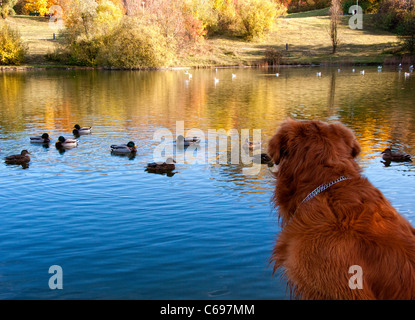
<point>322,187</point>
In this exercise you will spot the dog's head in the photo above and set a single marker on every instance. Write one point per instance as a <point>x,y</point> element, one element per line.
<point>311,141</point>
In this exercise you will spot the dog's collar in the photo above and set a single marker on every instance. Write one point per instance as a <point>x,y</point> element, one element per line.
<point>322,187</point>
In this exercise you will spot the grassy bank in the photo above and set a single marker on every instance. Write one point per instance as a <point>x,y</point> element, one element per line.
<point>306,34</point>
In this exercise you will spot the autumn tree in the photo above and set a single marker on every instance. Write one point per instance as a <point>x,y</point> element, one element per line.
<point>7,8</point>
<point>12,48</point>
<point>406,31</point>
<point>335,13</point>
<point>258,17</point>
<point>41,6</point>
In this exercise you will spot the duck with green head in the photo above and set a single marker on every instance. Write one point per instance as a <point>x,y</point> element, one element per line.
<point>44,138</point>
<point>64,143</point>
<point>181,141</point>
<point>128,148</point>
<point>78,130</point>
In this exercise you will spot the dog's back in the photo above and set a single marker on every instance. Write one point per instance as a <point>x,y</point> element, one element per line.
<point>346,242</point>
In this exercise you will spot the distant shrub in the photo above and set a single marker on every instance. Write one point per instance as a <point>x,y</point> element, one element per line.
<point>12,48</point>
<point>301,5</point>
<point>391,13</point>
<point>368,6</point>
<point>84,51</point>
<point>88,23</point>
<point>6,8</point>
<point>134,44</point>
<point>272,56</point>
<point>406,31</point>
<point>258,17</point>
<point>227,14</point>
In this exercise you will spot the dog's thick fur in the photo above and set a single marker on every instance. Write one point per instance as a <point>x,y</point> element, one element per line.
<point>350,223</point>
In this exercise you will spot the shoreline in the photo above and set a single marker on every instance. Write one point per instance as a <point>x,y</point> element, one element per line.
<point>72,68</point>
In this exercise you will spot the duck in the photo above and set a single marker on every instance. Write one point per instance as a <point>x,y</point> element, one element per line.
<point>81,130</point>
<point>251,145</point>
<point>21,158</point>
<point>264,159</point>
<point>64,143</point>
<point>161,167</point>
<point>128,148</point>
<point>44,138</point>
<point>185,142</point>
<point>389,155</point>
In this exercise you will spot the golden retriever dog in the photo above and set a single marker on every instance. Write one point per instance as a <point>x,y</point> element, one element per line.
<point>340,237</point>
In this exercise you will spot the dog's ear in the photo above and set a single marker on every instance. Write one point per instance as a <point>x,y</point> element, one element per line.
<point>278,144</point>
<point>348,137</point>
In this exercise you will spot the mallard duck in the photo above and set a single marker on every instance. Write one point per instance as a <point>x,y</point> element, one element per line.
<point>251,145</point>
<point>161,167</point>
<point>263,158</point>
<point>185,142</point>
<point>21,158</point>
<point>63,143</point>
<point>81,130</point>
<point>389,155</point>
<point>124,148</point>
<point>44,138</point>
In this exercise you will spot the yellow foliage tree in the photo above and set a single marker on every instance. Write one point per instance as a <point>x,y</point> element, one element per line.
<point>41,6</point>
<point>12,49</point>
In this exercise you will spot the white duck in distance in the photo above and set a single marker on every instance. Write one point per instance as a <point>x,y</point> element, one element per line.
<point>185,142</point>
<point>78,130</point>
<point>64,143</point>
<point>44,138</point>
<point>128,148</point>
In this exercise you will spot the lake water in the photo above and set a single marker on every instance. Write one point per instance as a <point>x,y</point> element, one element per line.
<point>206,232</point>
